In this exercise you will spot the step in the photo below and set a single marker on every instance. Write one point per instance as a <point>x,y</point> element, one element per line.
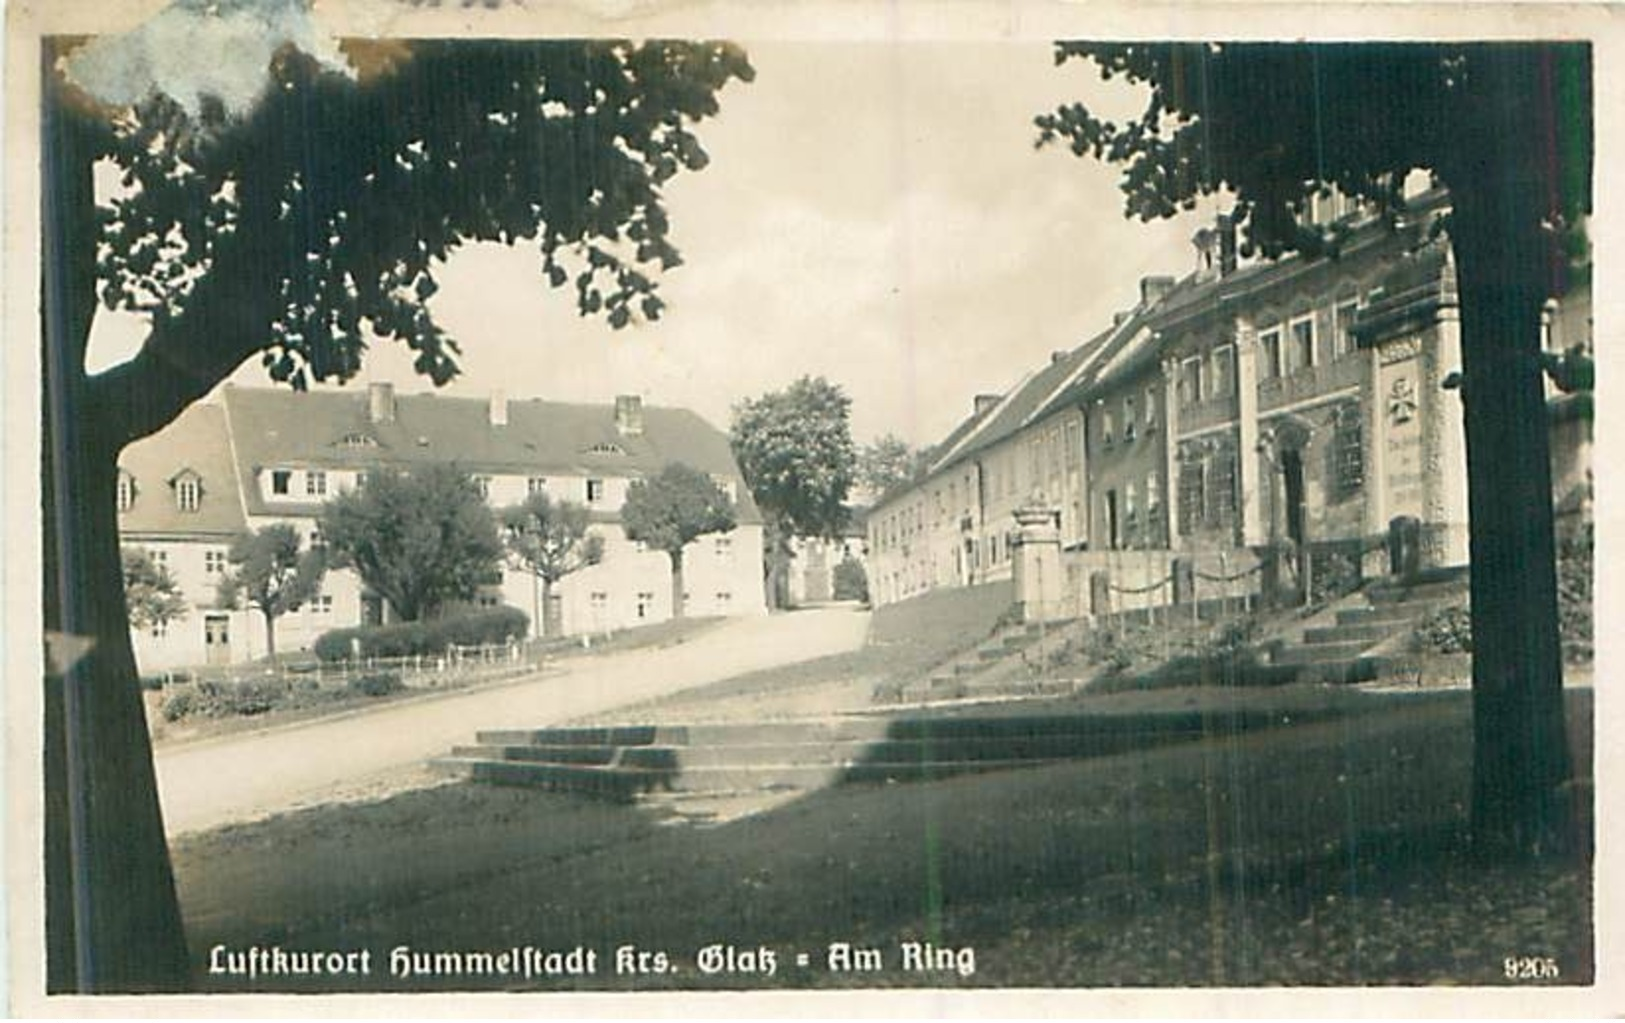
<point>1320,653</point>
<point>1386,614</point>
<point>1370,633</point>
<point>1384,593</point>
<point>1343,671</point>
<point>686,735</point>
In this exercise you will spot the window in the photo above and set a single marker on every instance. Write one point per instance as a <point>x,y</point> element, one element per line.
<point>188,493</point>
<point>1221,490</point>
<point>321,604</point>
<point>1269,354</point>
<point>1130,422</point>
<point>1106,437</point>
<point>728,484</point>
<point>605,448</point>
<point>160,630</point>
<point>646,603</point>
<point>724,599</point>
<point>1150,409</point>
<point>126,491</point>
<point>159,558</point>
<point>483,485</point>
<point>1223,383</point>
<point>1192,493</point>
<point>536,485</point>
<point>214,562</point>
<point>595,491</point>
<point>315,483</point>
<point>1348,458</point>
<point>1190,381</point>
<point>1153,495</point>
<point>599,601</point>
<point>724,546</point>
<point>281,482</point>
<point>1303,343</point>
<point>1343,328</point>
<point>357,440</point>
<point>315,540</point>
<point>362,478</point>
<point>640,547</point>
<point>488,600</point>
<point>1131,515</point>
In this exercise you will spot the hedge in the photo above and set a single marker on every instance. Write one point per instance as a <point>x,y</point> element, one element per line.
<point>410,639</point>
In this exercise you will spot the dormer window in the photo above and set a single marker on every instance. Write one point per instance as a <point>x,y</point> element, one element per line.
<point>315,483</point>
<point>357,440</point>
<point>188,493</point>
<point>126,491</point>
<point>606,448</point>
<point>281,482</point>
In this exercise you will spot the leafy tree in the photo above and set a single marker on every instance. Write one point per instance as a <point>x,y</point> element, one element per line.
<point>289,228</point>
<point>549,539</point>
<point>851,580</point>
<point>670,510</point>
<point>152,594</point>
<point>272,574</point>
<point>419,540</point>
<point>795,449</point>
<point>889,462</point>
<point>1507,128</point>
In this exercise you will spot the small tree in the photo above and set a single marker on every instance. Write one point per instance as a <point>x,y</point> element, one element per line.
<point>889,462</point>
<point>549,540</point>
<point>795,449</point>
<point>669,510</point>
<point>419,540</point>
<point>272,575</point>
<point>150,592</point>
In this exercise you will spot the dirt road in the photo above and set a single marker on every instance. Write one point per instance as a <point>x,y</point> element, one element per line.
<point>246,776</point>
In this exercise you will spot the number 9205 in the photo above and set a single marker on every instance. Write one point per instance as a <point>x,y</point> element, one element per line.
<point>1530,968</point>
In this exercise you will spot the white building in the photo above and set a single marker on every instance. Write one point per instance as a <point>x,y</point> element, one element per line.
<point>261,455</point>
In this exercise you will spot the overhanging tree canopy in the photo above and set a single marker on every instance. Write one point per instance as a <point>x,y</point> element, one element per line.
<point>1507,128</point>
<point>299,229</point>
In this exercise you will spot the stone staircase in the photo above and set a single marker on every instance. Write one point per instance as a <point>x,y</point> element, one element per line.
<point>981,673</point>
<point>716,771</point>
<point>1359,646</point>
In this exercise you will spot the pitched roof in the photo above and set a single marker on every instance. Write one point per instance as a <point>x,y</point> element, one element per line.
<point>196,441</point>
<point>333,429</point>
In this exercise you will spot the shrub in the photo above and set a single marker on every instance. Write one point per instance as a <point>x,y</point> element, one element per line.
<point>178,704</point>
<point>1335,574</point>
<point>410,639</point>
<point>851,582</point>
<point>378,683</point>
<point>1449,630</point>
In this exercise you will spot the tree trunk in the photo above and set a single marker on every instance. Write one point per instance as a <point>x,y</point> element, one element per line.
<point>547,603</point>
<point>1520,749</point>
<point>676,583</point>
<point>112,920</point>
<point>270,636</point>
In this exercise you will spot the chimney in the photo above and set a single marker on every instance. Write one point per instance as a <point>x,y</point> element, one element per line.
<point>381,403</point>
<point>986,401</point>
<point>629,415</point>
<point>1227,244</point>
<point>1152,289</point>
<point>499,408</point>
<point>1057,357</point>
<point>1118,318</point>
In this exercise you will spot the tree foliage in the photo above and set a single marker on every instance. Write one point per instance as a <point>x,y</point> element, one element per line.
<point>272,575</point>
<point>549,539</point>
<point>889,462</point>
<point>152,594</point>
<point>420,539</point>
<point>1507,129</point>
<point>670,510</point>
<point>795,449</point>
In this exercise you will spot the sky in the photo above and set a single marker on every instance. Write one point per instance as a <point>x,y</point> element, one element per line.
<point>874,212</point>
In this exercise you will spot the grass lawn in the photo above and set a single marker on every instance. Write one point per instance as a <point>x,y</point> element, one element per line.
<point>1326,853</point>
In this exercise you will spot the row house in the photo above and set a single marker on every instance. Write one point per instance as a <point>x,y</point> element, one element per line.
<point>1299,403</point>
<point>257,456</point>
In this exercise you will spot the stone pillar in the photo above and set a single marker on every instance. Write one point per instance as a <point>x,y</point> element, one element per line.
<point>1037,569</point>
<point>1170,450</point>
<point>1444,448</point>
<point>1252,521</point>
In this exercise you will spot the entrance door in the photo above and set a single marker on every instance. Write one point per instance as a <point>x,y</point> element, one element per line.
<point>217,639</point>
<point>1292,477</point>
<point>1112,538</point>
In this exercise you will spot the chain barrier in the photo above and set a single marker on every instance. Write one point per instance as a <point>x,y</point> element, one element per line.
<point>1159,584</point>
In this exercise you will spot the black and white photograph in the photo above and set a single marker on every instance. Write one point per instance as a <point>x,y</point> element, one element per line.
<point>870,509</point>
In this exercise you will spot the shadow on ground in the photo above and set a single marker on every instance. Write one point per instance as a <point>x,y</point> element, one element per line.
<point>1324,853</point>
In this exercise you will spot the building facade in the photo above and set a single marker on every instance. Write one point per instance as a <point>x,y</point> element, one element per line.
<point>260,456</point>
<point>1299,405</point>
